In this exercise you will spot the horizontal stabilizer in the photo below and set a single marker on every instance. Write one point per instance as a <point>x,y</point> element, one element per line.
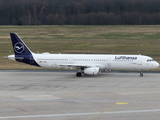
<point>12,57</point>
<point>20,58</point>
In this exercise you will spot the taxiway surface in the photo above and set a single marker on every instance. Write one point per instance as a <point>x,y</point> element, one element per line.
<point>63,96</point>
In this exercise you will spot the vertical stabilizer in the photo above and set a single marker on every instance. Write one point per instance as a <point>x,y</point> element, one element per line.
<point>19,46</point>
<point>22,52</point>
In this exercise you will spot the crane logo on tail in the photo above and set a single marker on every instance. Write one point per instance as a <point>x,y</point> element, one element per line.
<point>19,47</point>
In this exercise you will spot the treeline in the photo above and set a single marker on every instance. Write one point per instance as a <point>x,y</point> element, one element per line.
<point>79,12</point>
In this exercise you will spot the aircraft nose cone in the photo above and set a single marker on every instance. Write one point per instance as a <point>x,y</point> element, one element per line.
<point>157,64</point>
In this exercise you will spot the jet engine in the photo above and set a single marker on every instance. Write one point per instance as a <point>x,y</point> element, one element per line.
<point>92,71</point>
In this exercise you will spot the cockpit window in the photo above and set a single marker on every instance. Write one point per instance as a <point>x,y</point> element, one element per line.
<point>149,60</point>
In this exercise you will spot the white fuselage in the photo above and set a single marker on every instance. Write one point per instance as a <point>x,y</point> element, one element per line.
<point>104,62</point>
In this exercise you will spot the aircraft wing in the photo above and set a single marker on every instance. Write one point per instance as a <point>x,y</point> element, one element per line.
<point>74,65</point>
<point>81,65</point>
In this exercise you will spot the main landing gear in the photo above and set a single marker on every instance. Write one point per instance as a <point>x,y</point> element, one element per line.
<point>78,74</point>
<point>141,74</point>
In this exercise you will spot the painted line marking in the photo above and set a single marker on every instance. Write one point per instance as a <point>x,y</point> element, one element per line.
<point>122,103</point>
<point>103,112</point>
<point>78,114</point>
<point>117,104</point>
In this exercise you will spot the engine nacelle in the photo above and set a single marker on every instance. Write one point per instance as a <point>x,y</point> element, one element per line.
<point>92,71</point>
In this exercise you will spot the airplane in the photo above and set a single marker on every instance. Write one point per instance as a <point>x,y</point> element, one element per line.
<point>85,64</point>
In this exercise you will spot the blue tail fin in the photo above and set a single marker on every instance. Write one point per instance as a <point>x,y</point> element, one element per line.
<point>19,46</point>
<point>22,52</point>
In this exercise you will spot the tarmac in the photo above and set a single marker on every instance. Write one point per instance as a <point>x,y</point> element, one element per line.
<point>39,95</point>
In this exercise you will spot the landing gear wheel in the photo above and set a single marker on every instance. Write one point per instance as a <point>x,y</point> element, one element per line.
<point>141,75</point>
<point>78,74</point>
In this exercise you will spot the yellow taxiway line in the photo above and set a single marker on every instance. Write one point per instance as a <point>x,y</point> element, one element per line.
<point>117,104</point>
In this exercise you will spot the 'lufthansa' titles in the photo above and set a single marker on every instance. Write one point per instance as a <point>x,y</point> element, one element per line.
<point>125,58</point>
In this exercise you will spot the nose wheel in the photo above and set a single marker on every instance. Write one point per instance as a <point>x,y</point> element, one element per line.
<point>141,74</point>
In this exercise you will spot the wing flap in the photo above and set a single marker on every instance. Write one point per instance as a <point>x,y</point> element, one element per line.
<point>74,65</point>
<point>81,65</point>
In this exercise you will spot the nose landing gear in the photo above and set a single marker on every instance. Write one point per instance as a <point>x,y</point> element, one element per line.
<point>141,74</point>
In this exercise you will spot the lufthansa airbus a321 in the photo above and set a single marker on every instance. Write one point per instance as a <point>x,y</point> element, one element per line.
<point>85,64</point>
